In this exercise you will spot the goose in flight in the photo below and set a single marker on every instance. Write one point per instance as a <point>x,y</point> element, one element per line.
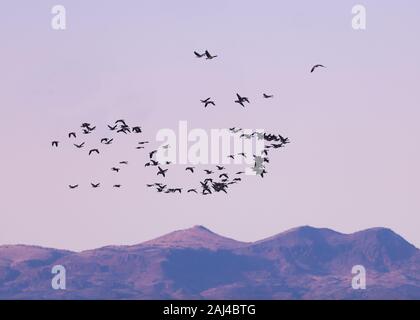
<point>207,102</point>
<point>54,144</point>
<point>235,130</point>
<point>190,169</point>
<point>94,151</point>
<point>136,129</point>
<point>199,55</point>
<point>208,171</point>
<point>79,146</point>
<point>316,67</point>
<point>284,140</point>
<point>268,96</point>
<point>73,186</point>
<point>192,190</point>
<point>241,100</point>
<point>152,153</point>
<point>115,169</point>
<point>124,162</point>
<point>121,121</point>
<point>162,172</point>
<point>72,134</point>
<point>112,128</point>
<point>117,186</point>
<point>95,185</point>
<point>209,56</point>
<point>143,142</point>
<point>220,168</point>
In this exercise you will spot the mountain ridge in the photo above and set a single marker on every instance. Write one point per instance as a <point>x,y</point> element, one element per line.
<point>196,263</point>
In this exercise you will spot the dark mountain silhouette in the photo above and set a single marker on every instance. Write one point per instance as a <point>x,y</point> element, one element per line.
<point>302,263</point>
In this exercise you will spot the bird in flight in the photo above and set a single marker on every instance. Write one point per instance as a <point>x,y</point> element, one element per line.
<point>241,100</point>
<point>190,169</point>
<point>224,175</point>
<point>208,171</point>
<point>136,129</point>
<point>73,186</point>
<point>267,96</point>
<point>209,56</point>
<point>112,128</point>
<point>284,140</point>
<point>152,153</point>
<point>220,168</point>
<point>143,142</point>
<point>94,151</point>
<point>316,67</point>
<point>54,143</point>
<point>207,102</point>
<point>117,186</point>
<point>79,146</point>
<point>72,134</point>
<point>199,55</point>
<point>162,172</point>
<point>115,169</point>
<point>235,130</point>
<point>124,162</point>
<point>192,190</point>
<point>95,185</point>
<point>121,121</point>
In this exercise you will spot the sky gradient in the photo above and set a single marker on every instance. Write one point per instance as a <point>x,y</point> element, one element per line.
<point>354,158</point>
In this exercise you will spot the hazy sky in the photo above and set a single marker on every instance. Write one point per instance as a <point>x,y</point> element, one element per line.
<point>354,158</point>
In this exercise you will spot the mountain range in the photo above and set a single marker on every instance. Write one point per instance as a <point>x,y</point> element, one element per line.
<point>302,263</point>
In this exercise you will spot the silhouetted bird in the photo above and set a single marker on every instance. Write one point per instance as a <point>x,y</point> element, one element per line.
<point>209,56</point>
<point>55,143</point>
<point>95,185</point>
<point>192,190</point>
<point>241,100</point>
<point>199,55</point>
<point>208,171</point>
<point>207,102</point>
<point>79,146</point>
<point>73,186</point>
<point>162,172</point>
<point>124,162</point>
<point>94,151</point>
<point>112,128</point>
<point>121,121</point>
<point>117,186</point>
<point>137,129</point>
<point>317,66</point>
<point>115,169</point>
<point>72,134</point>
<point>220,167</point>
<point>190,169</point>
<point>152,153</point>
<point>267,96</point>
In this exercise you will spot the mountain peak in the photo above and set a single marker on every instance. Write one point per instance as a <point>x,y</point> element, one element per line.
<point>196,237</point>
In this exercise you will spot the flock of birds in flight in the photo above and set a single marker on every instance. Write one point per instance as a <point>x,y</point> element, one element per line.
<point>216,179</point>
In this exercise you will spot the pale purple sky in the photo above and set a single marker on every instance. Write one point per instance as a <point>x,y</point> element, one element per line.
<point>354,160</point>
